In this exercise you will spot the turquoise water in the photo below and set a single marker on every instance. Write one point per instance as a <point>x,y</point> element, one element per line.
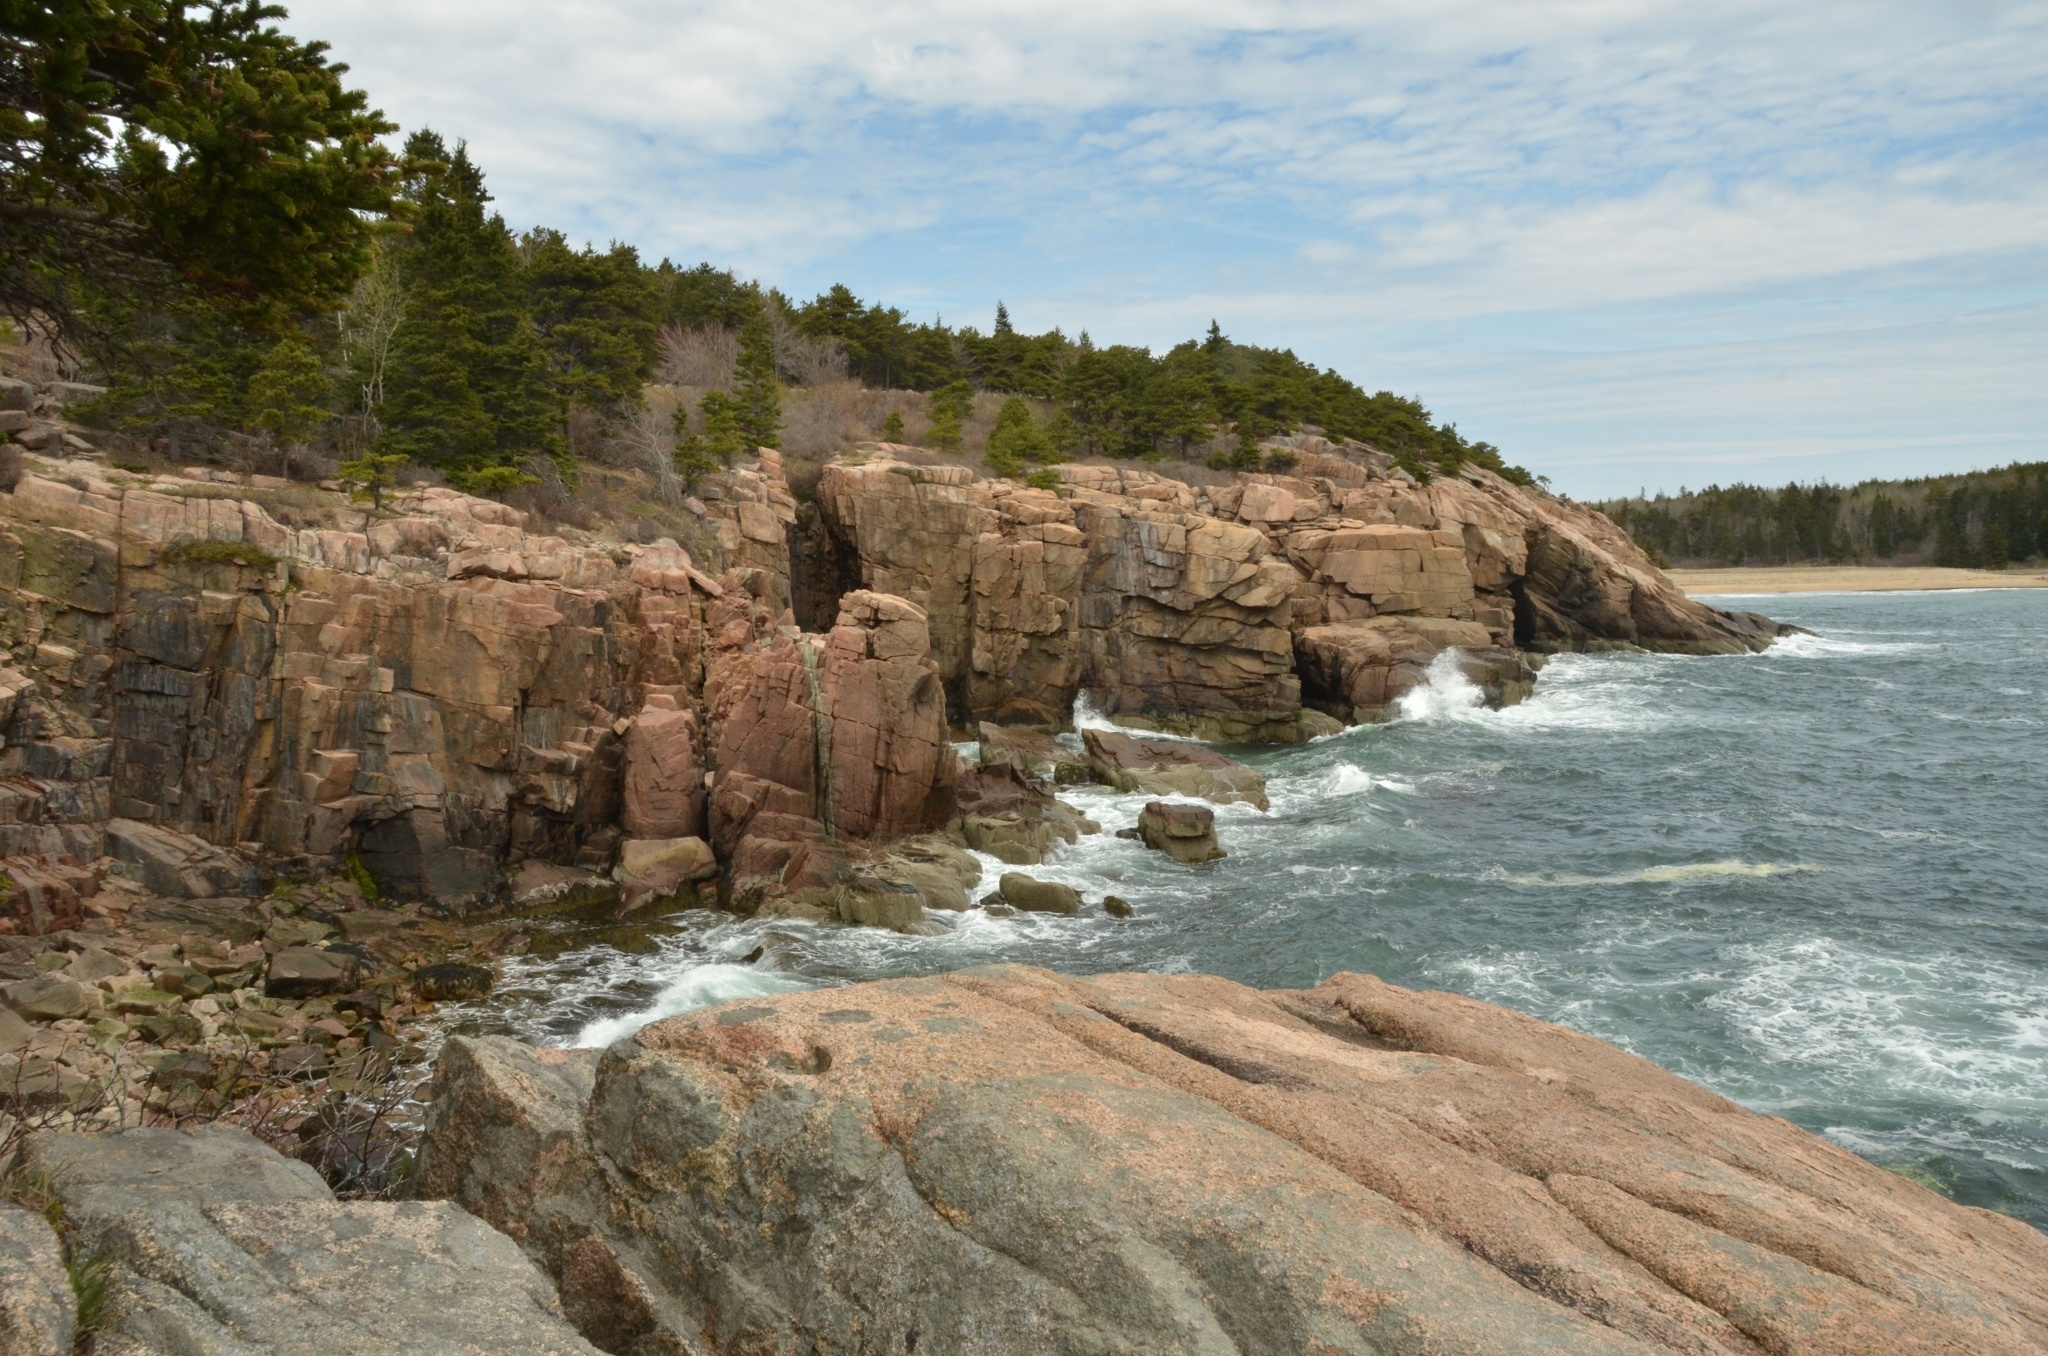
<point>1815,880</point>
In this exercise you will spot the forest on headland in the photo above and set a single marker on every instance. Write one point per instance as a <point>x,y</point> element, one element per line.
<point>1974,519</point>
<point>206,221</point>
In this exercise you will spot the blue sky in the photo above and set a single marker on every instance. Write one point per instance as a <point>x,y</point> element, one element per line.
<point>1632,243</point>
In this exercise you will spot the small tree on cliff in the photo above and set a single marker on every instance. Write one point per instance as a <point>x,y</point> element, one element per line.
<point>372,474</point>
<point>949,408</point>
<point>287,396</point>
<point>892,428</point>
<point>1016,441</point>
<point>756,396</point>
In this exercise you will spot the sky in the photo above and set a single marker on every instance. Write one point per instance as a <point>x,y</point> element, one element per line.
<point>1634,244</point>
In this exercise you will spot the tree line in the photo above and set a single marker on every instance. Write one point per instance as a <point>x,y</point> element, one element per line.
<point>201,213</point>
<point>1978,519</point>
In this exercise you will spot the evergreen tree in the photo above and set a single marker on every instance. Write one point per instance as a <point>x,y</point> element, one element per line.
<point>468,384</point>
<point>372,474</point>
<point>892,428</point>
<point>724,437</point>
<point>949,408</point>
<point>288,396</point>
<point>756,396</point>
<point>1016,441</point>
<point>596,314</point>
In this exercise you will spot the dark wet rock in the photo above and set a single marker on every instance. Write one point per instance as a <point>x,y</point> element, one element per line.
<point>451,981</point>
<point>1034,753</point>
<point>1012,819</point>
<point>544,887</point>
<point>304,972</point>
<point>1116,906</point>
<point>1031,895</point>
<point>1186,833</point>
<point>1171,767</point>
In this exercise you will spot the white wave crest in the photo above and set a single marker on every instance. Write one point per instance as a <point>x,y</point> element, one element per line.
<point>1089,716</point>
<point>701,986</point>
<point>1444,694</point>
<point>1668,875</point>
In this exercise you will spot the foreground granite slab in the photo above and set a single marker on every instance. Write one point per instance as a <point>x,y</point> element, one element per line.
<point>1004,1160</point>
<point>221,1247</point>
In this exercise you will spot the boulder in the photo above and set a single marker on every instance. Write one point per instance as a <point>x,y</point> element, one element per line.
<point>38,1311</point>
<point>940,873</point>
<point>307,972</point>
<point>1035,754</point>
<point>1020,1162</point>
<point>544,887</point>
<point>664,781</point>
<point>1186,833</point>
<point>1116,906</point>
<point>665,871</point>
<point>47,998</point>
<point>451,982</point>
<point>15,1033</point>
<point>178,864</point>
<point>1360,670</point>
<point>1011,819</point>
<point>1171,767</point>
<point>224,1246</point>
<point>1031,895</point>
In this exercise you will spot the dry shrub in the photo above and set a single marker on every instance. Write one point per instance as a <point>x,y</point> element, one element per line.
<point>703,358</point>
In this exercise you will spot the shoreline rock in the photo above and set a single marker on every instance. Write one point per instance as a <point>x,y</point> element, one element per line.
<point>1005,1160</point>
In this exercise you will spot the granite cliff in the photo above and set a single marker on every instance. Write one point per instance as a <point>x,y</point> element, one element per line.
<point>212,678</point>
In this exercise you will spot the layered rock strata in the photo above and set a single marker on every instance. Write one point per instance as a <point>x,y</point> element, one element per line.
<point>1003,1160</point>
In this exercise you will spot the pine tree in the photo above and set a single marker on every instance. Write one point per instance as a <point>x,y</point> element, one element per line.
<point>724,438</point>
<point>595,312</point>
<point>468,384</point>
<point>892,428</point>
<point>372,474</point>
<point>756,396</point>
<point>949,408</point>
<point>1016,441</point>
<point>288,395</point>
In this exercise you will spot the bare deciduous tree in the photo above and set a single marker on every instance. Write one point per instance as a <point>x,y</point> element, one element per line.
<point>702,358</point>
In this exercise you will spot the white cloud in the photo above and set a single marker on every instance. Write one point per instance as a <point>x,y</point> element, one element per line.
<point>1360,181</point>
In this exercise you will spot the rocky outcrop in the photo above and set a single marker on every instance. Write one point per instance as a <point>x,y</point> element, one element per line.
<point>215,1243</point>
<point>1186,833</point>
<point>1167,767</point>
<point>826,742</point>
<point>218,677</point>
<point>1012,819</point>
<point>1186,607</point>
<point>1003,1160</point>
<point>1358,671</point>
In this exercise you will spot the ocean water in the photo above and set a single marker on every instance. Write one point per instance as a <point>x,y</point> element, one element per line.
<point>1814,880</point>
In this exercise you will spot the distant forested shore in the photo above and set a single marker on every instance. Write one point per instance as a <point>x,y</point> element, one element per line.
<point>1977,519</point>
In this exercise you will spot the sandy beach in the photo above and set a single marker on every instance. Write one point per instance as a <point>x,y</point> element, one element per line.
<point>1854,579</point>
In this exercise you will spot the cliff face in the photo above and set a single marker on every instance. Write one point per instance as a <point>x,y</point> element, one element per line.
<point>1222,610</point>
<point>210,677</point>
<point>1005,1160</point>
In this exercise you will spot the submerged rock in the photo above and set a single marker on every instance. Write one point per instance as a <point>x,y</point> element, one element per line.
<point>1032,895</point>
<point>1186,833</point>
<point>1006,1161</point>
<point>451,981</point>
<point>1171,767</point>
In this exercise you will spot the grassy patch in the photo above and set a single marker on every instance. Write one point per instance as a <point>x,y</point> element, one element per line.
<point>244,553</point>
